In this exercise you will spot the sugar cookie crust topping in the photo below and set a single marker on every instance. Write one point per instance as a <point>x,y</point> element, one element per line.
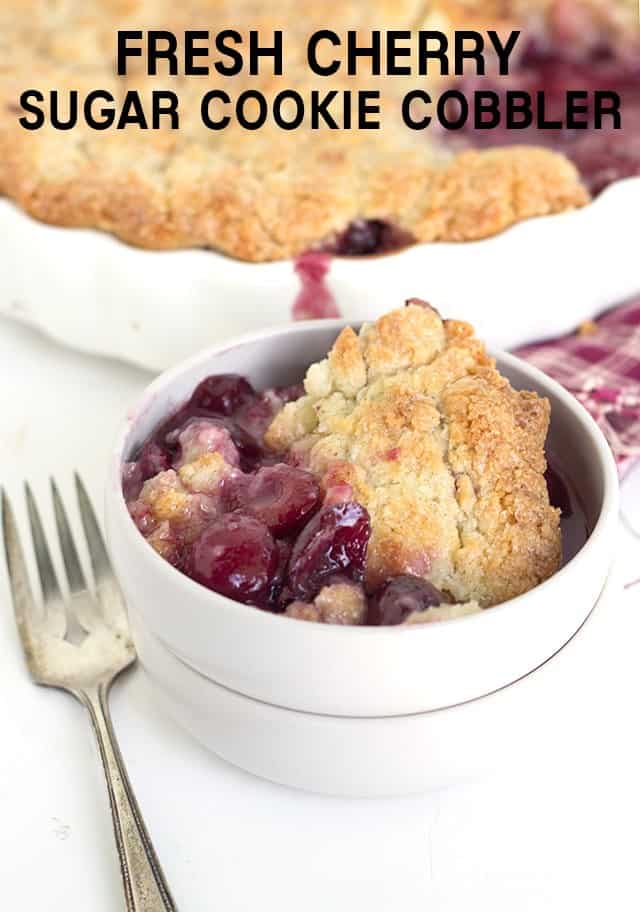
<point>446,456</point>
<point>257,196</point>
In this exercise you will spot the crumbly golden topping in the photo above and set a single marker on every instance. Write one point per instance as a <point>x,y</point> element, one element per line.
<point>445,455</point>
<point>339,603</point>
<point>255,195</point>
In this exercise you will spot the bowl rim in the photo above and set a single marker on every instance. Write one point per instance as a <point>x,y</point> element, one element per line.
<point>165,380</point>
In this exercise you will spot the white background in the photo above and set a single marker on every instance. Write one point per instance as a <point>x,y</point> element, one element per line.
<point>559,833</point>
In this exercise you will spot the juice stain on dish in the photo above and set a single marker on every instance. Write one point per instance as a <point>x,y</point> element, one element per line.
<point>314,300</point>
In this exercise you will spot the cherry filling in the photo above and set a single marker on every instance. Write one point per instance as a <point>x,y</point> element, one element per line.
<point>236,556</point>
<point>213,502</point>
<point>227,401</point>
<point>573,518</point>
<point>334,543</point>
<point>558,491</point>
<point>239,522</point>
<point>281,497</point>
<point>367,236</point>
<point>222,394</point>
<point>401,596</point>
<point>552,65</point>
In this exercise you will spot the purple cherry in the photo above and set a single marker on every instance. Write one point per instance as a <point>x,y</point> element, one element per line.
<point>334,542</point>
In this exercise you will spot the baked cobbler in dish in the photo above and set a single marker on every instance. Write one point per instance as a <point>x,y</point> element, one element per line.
<point>404,483</point>
<point>268,194</point>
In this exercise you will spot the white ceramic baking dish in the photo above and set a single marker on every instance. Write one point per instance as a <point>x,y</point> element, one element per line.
<point>359,671</point>
<point>539,278</point>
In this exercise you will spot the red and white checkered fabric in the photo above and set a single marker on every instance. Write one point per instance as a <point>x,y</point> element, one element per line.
<point>600,365</point>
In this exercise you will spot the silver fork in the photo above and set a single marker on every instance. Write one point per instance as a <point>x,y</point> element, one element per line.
<point>81,644</point>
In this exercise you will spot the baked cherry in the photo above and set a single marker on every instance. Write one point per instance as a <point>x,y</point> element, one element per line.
<point>281,497</point>
<point>222,394</point>
<point>399,597</point>
<point>255,415</point>
<point>333,542</point>
<point>279,596</point>
<point>153,459</point>
<point>237,557</point>
<point>365,236</point>
<point>361,237</point>
<point>251,453</point>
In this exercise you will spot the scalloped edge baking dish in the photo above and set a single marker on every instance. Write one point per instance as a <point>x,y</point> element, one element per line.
<point>153,308</point>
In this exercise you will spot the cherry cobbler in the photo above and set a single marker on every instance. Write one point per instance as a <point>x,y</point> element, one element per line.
<point>403,483</point>
<point>268,193</point>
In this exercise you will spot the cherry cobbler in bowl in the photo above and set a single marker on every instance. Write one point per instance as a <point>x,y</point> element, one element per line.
<point>404,482</point>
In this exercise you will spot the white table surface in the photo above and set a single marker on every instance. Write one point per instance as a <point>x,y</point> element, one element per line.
<point>560,833</point>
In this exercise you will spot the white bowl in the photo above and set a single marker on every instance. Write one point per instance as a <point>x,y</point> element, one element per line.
<point>359,671</point>
<point>541,714</point>
<point>540,278</point>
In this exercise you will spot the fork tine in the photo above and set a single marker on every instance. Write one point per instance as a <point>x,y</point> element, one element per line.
<point>72,565</point>
<point>82,607</point>
<point>107,588</point>
<point>51,595</point>
<point>48,578</point>
<point>97,550</point>
<point>25,606</point>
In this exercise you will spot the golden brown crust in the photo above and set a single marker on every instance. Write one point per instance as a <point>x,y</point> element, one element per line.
<point>257,196</point>
<point>447,457</point>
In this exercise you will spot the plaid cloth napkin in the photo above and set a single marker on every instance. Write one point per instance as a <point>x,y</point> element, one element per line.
<point>600,364</point>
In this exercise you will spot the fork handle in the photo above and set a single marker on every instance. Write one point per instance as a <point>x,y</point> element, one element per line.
<point>144,884</point>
